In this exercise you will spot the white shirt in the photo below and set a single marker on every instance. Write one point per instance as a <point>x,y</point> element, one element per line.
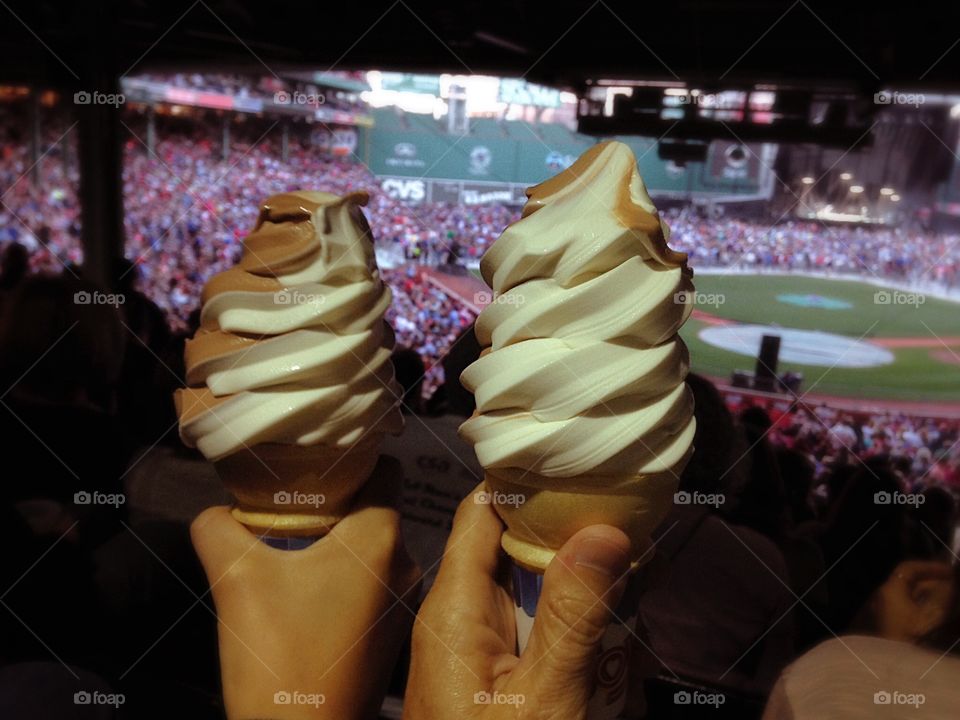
<point>867,678</point>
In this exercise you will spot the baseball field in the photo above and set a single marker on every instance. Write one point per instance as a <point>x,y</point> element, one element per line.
<point>846,338</point>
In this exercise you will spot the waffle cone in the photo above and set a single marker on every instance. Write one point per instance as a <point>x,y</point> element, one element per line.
<point>542,513</point>
<point>293,490</point>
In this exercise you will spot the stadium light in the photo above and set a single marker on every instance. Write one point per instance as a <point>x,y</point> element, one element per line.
<point>807,180</point>
<point>895,198</point>
<point>856,189</point>
<point>886,191</point>
<point>846,176</point>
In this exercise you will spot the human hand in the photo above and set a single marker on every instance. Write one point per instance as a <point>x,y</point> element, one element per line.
<point>464,638</point>
<point>913,601</point>
<point>326,621</point>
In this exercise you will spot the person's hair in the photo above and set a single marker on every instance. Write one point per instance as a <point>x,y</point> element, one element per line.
<point>864,537</point>
<point>946,636</point>
<point>761,503</point>
<point>464,350</point>
<point>756,417</point>
<point>57,341</point>
<point>797,473</point>
<point>719,449</point>
<point>14,266</point>
<point>409,370</point>
<point>932,523</point>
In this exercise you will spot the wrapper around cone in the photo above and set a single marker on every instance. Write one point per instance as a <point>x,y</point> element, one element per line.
<point>583,415</point>
<point>290,385</point>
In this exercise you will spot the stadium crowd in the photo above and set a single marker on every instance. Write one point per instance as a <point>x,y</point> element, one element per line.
<point>187,210</point>
<point>268,87</point>
<point>889,253</point>
<point>924,451</point>
<point>806,515</point>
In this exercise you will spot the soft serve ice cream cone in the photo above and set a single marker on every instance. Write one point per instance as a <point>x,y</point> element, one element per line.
<point>290,384</point>
<point>583,415</point>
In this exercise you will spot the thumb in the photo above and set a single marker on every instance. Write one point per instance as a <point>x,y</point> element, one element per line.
<point>581,587</point>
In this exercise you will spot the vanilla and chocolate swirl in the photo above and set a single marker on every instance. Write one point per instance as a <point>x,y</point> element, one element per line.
<point>292,346</point>
<point>584,371</point>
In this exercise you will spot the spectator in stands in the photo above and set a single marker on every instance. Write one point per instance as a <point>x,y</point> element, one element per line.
<point>409,370</point>
<point>439,468</point>
<point>862,540</point>
<point>720,613</point>
<point>916,614</point>
<point>13,267</point>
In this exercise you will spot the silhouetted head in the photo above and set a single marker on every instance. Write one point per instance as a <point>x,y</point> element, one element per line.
<point>14,266</point>
<point>61,340</point>
<point>797,473</point>
<point>409,370</point>
<point>463,352</point>
<point>756,419</point>
<point>718,444</point>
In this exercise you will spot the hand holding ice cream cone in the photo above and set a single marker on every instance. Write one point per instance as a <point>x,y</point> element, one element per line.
<point>313,633</point>
<point>464,660</point>
<point>583,416</point>
<point>582,410</point>
<point>290,385</point>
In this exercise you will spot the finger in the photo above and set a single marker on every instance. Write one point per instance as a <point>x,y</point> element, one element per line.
<point>580,588</point>
<point>473,548</point>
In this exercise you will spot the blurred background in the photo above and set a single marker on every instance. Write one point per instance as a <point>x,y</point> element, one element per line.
<point>804,155</point>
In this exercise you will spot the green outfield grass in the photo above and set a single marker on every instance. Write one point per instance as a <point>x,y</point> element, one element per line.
<point>753,299</point>
<point>914,375</point>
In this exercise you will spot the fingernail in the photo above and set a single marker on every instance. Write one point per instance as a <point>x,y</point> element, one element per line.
<point>601,555</point>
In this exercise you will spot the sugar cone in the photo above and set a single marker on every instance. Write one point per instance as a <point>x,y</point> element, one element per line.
<point>542,513</point>
<point>292,490</point>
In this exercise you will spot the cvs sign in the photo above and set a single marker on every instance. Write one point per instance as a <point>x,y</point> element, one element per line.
<point>412,191</point>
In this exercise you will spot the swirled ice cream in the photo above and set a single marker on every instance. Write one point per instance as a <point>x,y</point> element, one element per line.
<point>585,372</point>
<point>292,347</point>
<point>582,409</point>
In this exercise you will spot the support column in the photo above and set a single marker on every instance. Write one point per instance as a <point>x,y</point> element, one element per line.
<point>152,129</point>
<point>99,141</point>
<point>225,142</point>
<point>35,137</point>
